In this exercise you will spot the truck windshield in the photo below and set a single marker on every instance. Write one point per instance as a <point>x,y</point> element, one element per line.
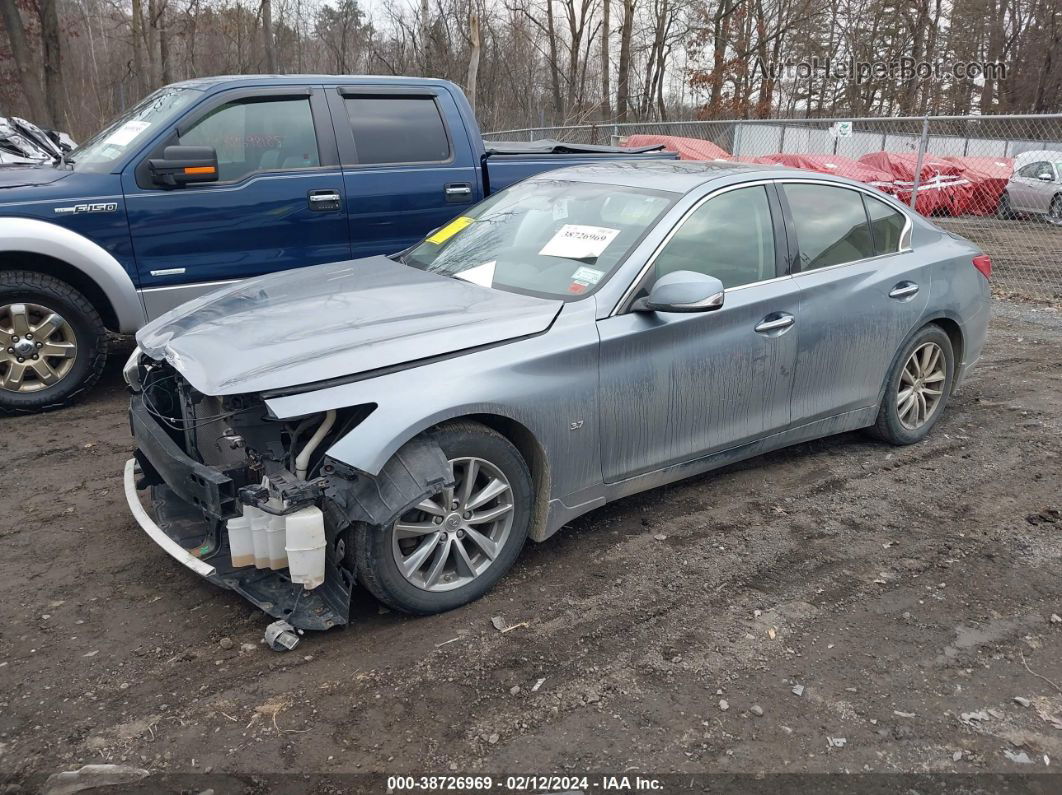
<point>131,128</point>
<point>550,238</point>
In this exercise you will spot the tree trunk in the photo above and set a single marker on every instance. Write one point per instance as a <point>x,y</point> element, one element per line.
<point>554,67</point>
<point>473,60</point>
<point>165,61</point>
<point>606,87</point>
<point>267,36</point>
<point>623,76</point>
<point>138,48</point>
<point>27,79</point>
<point>53,65</point>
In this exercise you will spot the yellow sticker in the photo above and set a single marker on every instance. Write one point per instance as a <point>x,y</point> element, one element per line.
<point>451,229</point>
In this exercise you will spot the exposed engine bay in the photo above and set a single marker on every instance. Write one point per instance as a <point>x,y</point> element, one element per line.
<point>259,500</point>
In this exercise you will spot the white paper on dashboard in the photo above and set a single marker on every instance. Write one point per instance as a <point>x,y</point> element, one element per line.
<point>482,275</point>
<point>127,132</point>
<point>577,241</point>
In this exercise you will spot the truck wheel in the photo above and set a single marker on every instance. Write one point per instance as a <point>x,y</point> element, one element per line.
<point>454,546</point>
<point>54,344</point>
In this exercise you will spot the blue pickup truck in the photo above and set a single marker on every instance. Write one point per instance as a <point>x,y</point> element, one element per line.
<point>215,180</point>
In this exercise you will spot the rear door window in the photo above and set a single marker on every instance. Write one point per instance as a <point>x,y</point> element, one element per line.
<point>830,223</point>
<point>391,130</point>
<point>886,224</point>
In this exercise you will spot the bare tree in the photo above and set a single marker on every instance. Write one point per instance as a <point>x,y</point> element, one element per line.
<point>267,36</point>
<point>473,59</point>
<point>24,67</point>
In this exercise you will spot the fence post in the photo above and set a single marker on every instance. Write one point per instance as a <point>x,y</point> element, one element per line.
<point>918,166</point>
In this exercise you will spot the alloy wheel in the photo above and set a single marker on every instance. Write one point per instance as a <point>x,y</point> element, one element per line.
<point>921,385</point>
<point>449,539</point>
<point>1054,215</point>
<point>38,348</point>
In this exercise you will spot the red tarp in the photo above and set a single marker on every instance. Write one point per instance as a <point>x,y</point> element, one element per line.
<point>687,148</point>
<point>989,177</point>
<point>943,188</point>
<point>835,164</point>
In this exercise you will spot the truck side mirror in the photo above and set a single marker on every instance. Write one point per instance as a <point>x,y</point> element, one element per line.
<point>184,165</point>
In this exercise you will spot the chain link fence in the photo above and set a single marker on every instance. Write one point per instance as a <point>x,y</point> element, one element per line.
<point>996,180</point>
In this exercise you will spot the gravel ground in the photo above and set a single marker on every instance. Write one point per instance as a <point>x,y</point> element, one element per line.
<point>840,606</point>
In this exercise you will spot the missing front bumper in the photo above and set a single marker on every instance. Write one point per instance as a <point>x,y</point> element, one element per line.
<point>179,528</point>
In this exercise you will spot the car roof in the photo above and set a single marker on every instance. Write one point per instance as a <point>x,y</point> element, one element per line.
<point>1035,155</point>
<point>676,176</point>
<point>231,81</point>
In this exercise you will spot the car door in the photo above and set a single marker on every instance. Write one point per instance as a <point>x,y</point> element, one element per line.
<point>676,387</point>
<point>277,203</point>
<point>408,164</point>
<point>862,291</point>
<point>1026,190</point>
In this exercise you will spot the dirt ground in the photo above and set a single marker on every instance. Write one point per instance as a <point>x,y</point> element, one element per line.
<point>840,606</point>
<point>1026,252</point>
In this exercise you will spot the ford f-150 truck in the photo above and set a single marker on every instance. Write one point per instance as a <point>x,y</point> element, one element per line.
<point>219,179</point>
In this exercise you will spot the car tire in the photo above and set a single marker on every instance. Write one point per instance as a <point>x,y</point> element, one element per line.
<point>76,333</point>
<point>378,550</point>
<point>924,367</point>
<point>1054,213</point>
<point>1003,209</point>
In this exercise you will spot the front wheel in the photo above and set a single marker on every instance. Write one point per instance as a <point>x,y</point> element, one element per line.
<point>53,344</point>
<point>1003,209</point>
<point>452,547</point>
<point>917,388</point>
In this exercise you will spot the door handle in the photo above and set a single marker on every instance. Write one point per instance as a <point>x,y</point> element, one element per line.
<point>458,191</point>
<point>323,201</point>
<point>776,321</point>
<point>903,290</point>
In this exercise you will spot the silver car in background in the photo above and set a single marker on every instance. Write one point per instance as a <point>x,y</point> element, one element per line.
<point>406,423</point>
<point>1035,187</point>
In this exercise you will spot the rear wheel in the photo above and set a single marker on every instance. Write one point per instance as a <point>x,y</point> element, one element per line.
<point>917,388</point>
<point>1054,214</point>
<point>453,546</point>
<point>53,344</point>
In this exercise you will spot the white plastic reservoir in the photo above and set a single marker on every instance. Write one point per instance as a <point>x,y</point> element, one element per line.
<point>295,541</point>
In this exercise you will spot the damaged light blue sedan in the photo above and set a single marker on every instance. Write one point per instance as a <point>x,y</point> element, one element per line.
<point>407,422</point>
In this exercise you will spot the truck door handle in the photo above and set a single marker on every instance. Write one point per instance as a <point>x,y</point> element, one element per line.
<point>323,201</point>
<point>458,191</point>
<point>776,321</point>
<point>903,290</point>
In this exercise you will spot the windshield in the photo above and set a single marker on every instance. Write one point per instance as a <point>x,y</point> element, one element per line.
<point>554,238</point>
<point>130,129</point>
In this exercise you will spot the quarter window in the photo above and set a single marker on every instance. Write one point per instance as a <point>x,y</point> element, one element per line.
<point>397,130</point>
<point>730,237</point>
<point>258,135</point>
<point>831,225</point>
<point>886,224</point>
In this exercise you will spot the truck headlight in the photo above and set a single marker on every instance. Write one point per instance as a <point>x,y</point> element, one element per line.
<point>131,371</point>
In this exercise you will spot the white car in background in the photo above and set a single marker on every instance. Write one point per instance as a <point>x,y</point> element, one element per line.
<point>1035,186</point>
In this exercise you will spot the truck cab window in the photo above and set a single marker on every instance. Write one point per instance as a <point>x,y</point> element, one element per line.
<point>397,130</point>
<point>250,136</point>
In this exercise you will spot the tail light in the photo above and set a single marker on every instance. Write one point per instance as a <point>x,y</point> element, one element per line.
<point>983,263</point>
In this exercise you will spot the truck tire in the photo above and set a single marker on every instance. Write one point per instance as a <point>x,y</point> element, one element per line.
<point>437,557</point>
<point>54,343</point>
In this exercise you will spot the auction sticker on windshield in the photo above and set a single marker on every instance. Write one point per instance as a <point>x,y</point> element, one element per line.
<point>445,233</point>
<point>576,241</point>
<point>127,132</point>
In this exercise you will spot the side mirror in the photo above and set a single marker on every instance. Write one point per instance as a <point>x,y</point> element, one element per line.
<point>1045,177</point>
<point>184,165</point>
<point>682,291</point>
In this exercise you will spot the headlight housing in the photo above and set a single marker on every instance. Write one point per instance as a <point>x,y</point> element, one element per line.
<point>131,372</point>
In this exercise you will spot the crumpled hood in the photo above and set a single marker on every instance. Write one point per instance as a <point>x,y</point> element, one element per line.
<point>15,176</point>
<point>311,324</point>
